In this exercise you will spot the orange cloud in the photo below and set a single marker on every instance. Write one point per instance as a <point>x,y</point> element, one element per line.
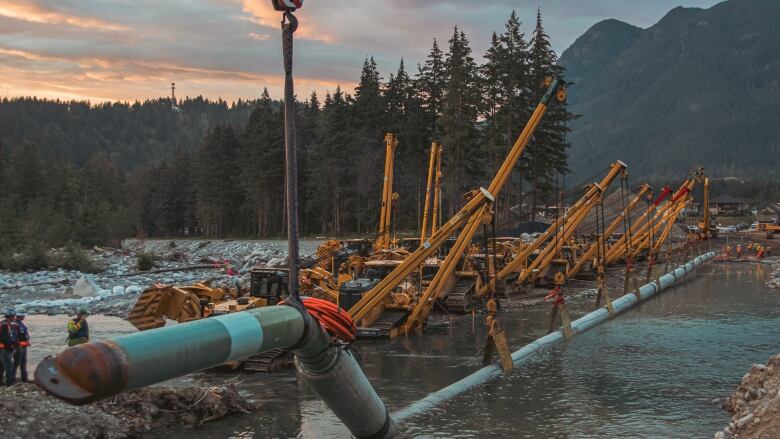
<point>259,37</point>
<point>265,15</point>
<point>36,14</point>
<point>106,79</point>
<point>21,54</point>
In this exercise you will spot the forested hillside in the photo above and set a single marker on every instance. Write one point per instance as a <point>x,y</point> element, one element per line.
<point>71,171</point>
<point>699,87</point>
<point>132,134</point>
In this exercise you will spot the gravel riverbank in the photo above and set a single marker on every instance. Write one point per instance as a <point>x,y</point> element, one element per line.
<point>114,290</point>
<point>755,404</point>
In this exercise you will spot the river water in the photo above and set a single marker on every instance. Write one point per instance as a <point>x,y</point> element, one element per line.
<point>650,373</point>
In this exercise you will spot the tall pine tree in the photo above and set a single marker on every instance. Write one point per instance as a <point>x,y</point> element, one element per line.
<point>406,118</point>
<point>262,169</point>
<point>460,108</point>
<point>431,84</point>
<point>547,150</point>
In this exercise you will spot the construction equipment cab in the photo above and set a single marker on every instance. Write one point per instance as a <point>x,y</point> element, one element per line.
<point>270,284</point>
<point>769,228</point>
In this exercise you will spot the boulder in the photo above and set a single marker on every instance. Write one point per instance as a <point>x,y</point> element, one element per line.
<point>86,287</point>
<point>275,262</point>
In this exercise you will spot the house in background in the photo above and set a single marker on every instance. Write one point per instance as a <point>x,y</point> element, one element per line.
<point>727,205</point>
<point>767,211</point>
<point>691,209</point>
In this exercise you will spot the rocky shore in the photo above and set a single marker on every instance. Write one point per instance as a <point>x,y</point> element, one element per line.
<point>755,404</point>
<point>114,290</point>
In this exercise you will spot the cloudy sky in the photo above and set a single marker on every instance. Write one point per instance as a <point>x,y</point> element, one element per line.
<point>133,49</point>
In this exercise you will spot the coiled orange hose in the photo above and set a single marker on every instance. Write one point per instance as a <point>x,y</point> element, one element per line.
<point>335,320</point>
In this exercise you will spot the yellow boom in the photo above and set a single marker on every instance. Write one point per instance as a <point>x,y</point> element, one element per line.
<point>469,216</point>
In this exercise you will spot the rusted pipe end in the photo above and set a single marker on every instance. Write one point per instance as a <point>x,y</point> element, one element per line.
<point>84,373</point>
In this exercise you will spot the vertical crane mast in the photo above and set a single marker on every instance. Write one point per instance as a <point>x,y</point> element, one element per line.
<point>706,229</point>
<point>436,217</point>
<point>385,214</point>
<point>428,190</point>
<point>473,212</point>
<point>706,205</point>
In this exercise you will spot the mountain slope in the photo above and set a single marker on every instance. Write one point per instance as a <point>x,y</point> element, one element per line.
<point>698,87</point>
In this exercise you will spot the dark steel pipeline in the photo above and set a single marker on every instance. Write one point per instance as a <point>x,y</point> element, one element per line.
<point>93,371</point>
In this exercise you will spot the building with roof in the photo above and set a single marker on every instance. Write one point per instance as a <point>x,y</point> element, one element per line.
<point>728,205</point>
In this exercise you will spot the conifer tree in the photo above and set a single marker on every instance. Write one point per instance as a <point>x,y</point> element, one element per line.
<point>307,120</point>
<point>459,116</point>
<point>368,126</point>
<point>217,182</point>
<point>548,149</point>
<point>333,166</point>
<point>406,118</point>
<point>515,112</point>
<point>262,169</point>
<point>431,83</point>
<point>494,99</point>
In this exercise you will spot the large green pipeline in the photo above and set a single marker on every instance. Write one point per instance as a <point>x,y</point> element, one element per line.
<point>93,371</point>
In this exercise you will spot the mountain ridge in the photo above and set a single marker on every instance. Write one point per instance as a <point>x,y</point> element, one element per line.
<point>696,88</point>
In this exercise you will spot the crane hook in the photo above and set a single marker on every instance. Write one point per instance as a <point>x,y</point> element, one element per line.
<point>288,17</point>
<point>287,5</point>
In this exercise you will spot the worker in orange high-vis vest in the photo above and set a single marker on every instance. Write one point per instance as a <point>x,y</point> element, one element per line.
<point>9,339</point>
<point>20,354</point>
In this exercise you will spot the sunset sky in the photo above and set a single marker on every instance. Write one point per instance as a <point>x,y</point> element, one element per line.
<point>133,49</point>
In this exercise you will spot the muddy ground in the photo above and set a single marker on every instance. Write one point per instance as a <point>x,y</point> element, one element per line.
<point>34,414</point>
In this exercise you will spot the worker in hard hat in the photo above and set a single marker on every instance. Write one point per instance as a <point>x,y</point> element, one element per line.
<point>9,339</point>
<point>78,329</point>
<point>739,251</point>
<point>20,354</point>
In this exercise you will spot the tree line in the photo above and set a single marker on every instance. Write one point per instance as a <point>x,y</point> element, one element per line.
<point>118,170</point>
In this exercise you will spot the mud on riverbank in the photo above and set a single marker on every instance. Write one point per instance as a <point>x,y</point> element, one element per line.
<point>34,414</point>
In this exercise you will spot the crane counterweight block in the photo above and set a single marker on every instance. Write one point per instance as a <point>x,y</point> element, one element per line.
<point>664,193</point>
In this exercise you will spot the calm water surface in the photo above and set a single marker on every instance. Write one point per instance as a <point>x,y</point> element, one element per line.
<point>651,373</point>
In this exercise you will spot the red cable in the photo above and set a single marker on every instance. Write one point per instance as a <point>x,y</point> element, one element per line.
<point>335,320</point>
<point>557,295</point>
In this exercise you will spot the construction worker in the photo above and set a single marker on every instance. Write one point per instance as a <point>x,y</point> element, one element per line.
<point>78,329</point>
<point>20,355</point>
<point>739,251</point>
<point>9,338</point>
